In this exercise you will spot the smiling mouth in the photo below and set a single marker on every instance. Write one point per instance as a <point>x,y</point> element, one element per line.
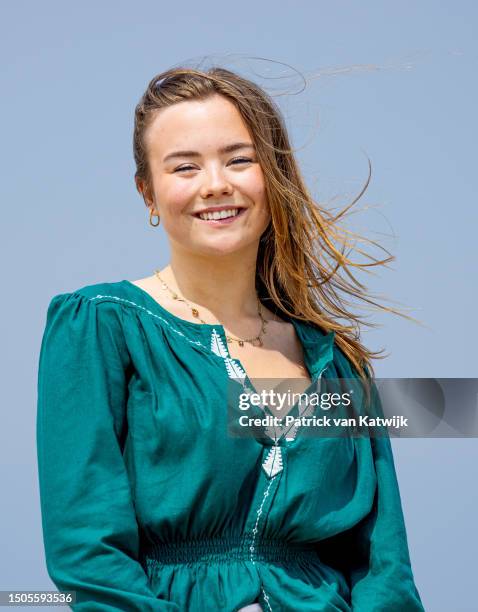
<point>220,216</point>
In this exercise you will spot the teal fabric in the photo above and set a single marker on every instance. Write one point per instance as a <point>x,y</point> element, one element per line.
<point>147,502</point>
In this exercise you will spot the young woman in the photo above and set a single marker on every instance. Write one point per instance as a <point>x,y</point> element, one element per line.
<point>148,501</point>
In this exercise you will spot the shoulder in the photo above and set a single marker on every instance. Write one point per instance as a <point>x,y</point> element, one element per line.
<point>78,325</point>
<point>94,294</point>
<point>99,302</point>
<point>329,345</point>
<point>103,292</point>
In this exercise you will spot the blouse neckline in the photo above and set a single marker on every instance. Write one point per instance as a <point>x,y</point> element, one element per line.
<point>169,314</point>
<point>317,345</point>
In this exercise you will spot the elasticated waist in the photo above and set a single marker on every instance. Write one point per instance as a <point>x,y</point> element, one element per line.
<point>227,550</point>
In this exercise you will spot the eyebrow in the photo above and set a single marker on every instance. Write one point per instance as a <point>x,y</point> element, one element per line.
<point>228,149</point>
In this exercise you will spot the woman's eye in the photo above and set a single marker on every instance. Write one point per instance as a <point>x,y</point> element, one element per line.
<point>236,159</point>
<point>184,168</point>
<point>241,159</point>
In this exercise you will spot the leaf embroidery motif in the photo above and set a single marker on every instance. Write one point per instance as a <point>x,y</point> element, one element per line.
<point>217,345</point>
<point>273,463</point>
<point>234,370</point>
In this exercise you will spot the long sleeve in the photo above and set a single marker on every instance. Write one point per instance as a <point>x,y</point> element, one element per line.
<point>90,531</point>
<point>381,577</point>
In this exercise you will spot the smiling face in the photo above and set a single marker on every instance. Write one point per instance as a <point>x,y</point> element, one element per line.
<point>201,156</point>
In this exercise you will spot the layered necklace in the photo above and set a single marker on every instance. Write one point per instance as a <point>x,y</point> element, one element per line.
<point>256,341</point>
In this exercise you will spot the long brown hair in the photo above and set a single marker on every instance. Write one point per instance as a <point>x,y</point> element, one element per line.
<point>302,267</point>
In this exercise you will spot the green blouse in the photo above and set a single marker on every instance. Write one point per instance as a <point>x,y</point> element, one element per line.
<point>149,503</point>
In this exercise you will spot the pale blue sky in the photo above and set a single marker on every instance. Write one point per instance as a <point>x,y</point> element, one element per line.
<point>394,81</point>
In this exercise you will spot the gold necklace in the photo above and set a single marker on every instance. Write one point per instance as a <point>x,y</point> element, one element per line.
<point>195,313</point>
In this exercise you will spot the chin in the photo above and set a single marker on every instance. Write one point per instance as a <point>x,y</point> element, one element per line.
<point>224,247</point>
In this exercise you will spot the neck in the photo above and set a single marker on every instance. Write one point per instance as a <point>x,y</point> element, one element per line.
<point>223,285</point>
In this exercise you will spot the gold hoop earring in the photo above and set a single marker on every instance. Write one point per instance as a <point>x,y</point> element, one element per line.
<point>151,217</point>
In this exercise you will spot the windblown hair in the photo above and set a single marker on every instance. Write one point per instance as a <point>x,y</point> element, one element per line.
<point>302,267</point>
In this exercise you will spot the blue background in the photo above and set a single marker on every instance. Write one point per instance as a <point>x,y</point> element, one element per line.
<point>392,81</point>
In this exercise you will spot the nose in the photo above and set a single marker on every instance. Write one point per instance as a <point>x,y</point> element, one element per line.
<point>215,184</point>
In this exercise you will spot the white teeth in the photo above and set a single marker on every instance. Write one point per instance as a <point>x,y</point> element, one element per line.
<point>223,214</point>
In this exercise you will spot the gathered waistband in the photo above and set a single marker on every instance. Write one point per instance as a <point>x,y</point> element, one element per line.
<point>223,550</point>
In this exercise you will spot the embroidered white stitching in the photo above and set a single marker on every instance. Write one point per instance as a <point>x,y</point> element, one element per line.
<point>258,516</point>
<point>233,367</point>
<point>266,599</point>
<point>273,462</point>
<point>115,297</point>
<point>254,533</point>
<point>217,345</point>
<point>293,429</point>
